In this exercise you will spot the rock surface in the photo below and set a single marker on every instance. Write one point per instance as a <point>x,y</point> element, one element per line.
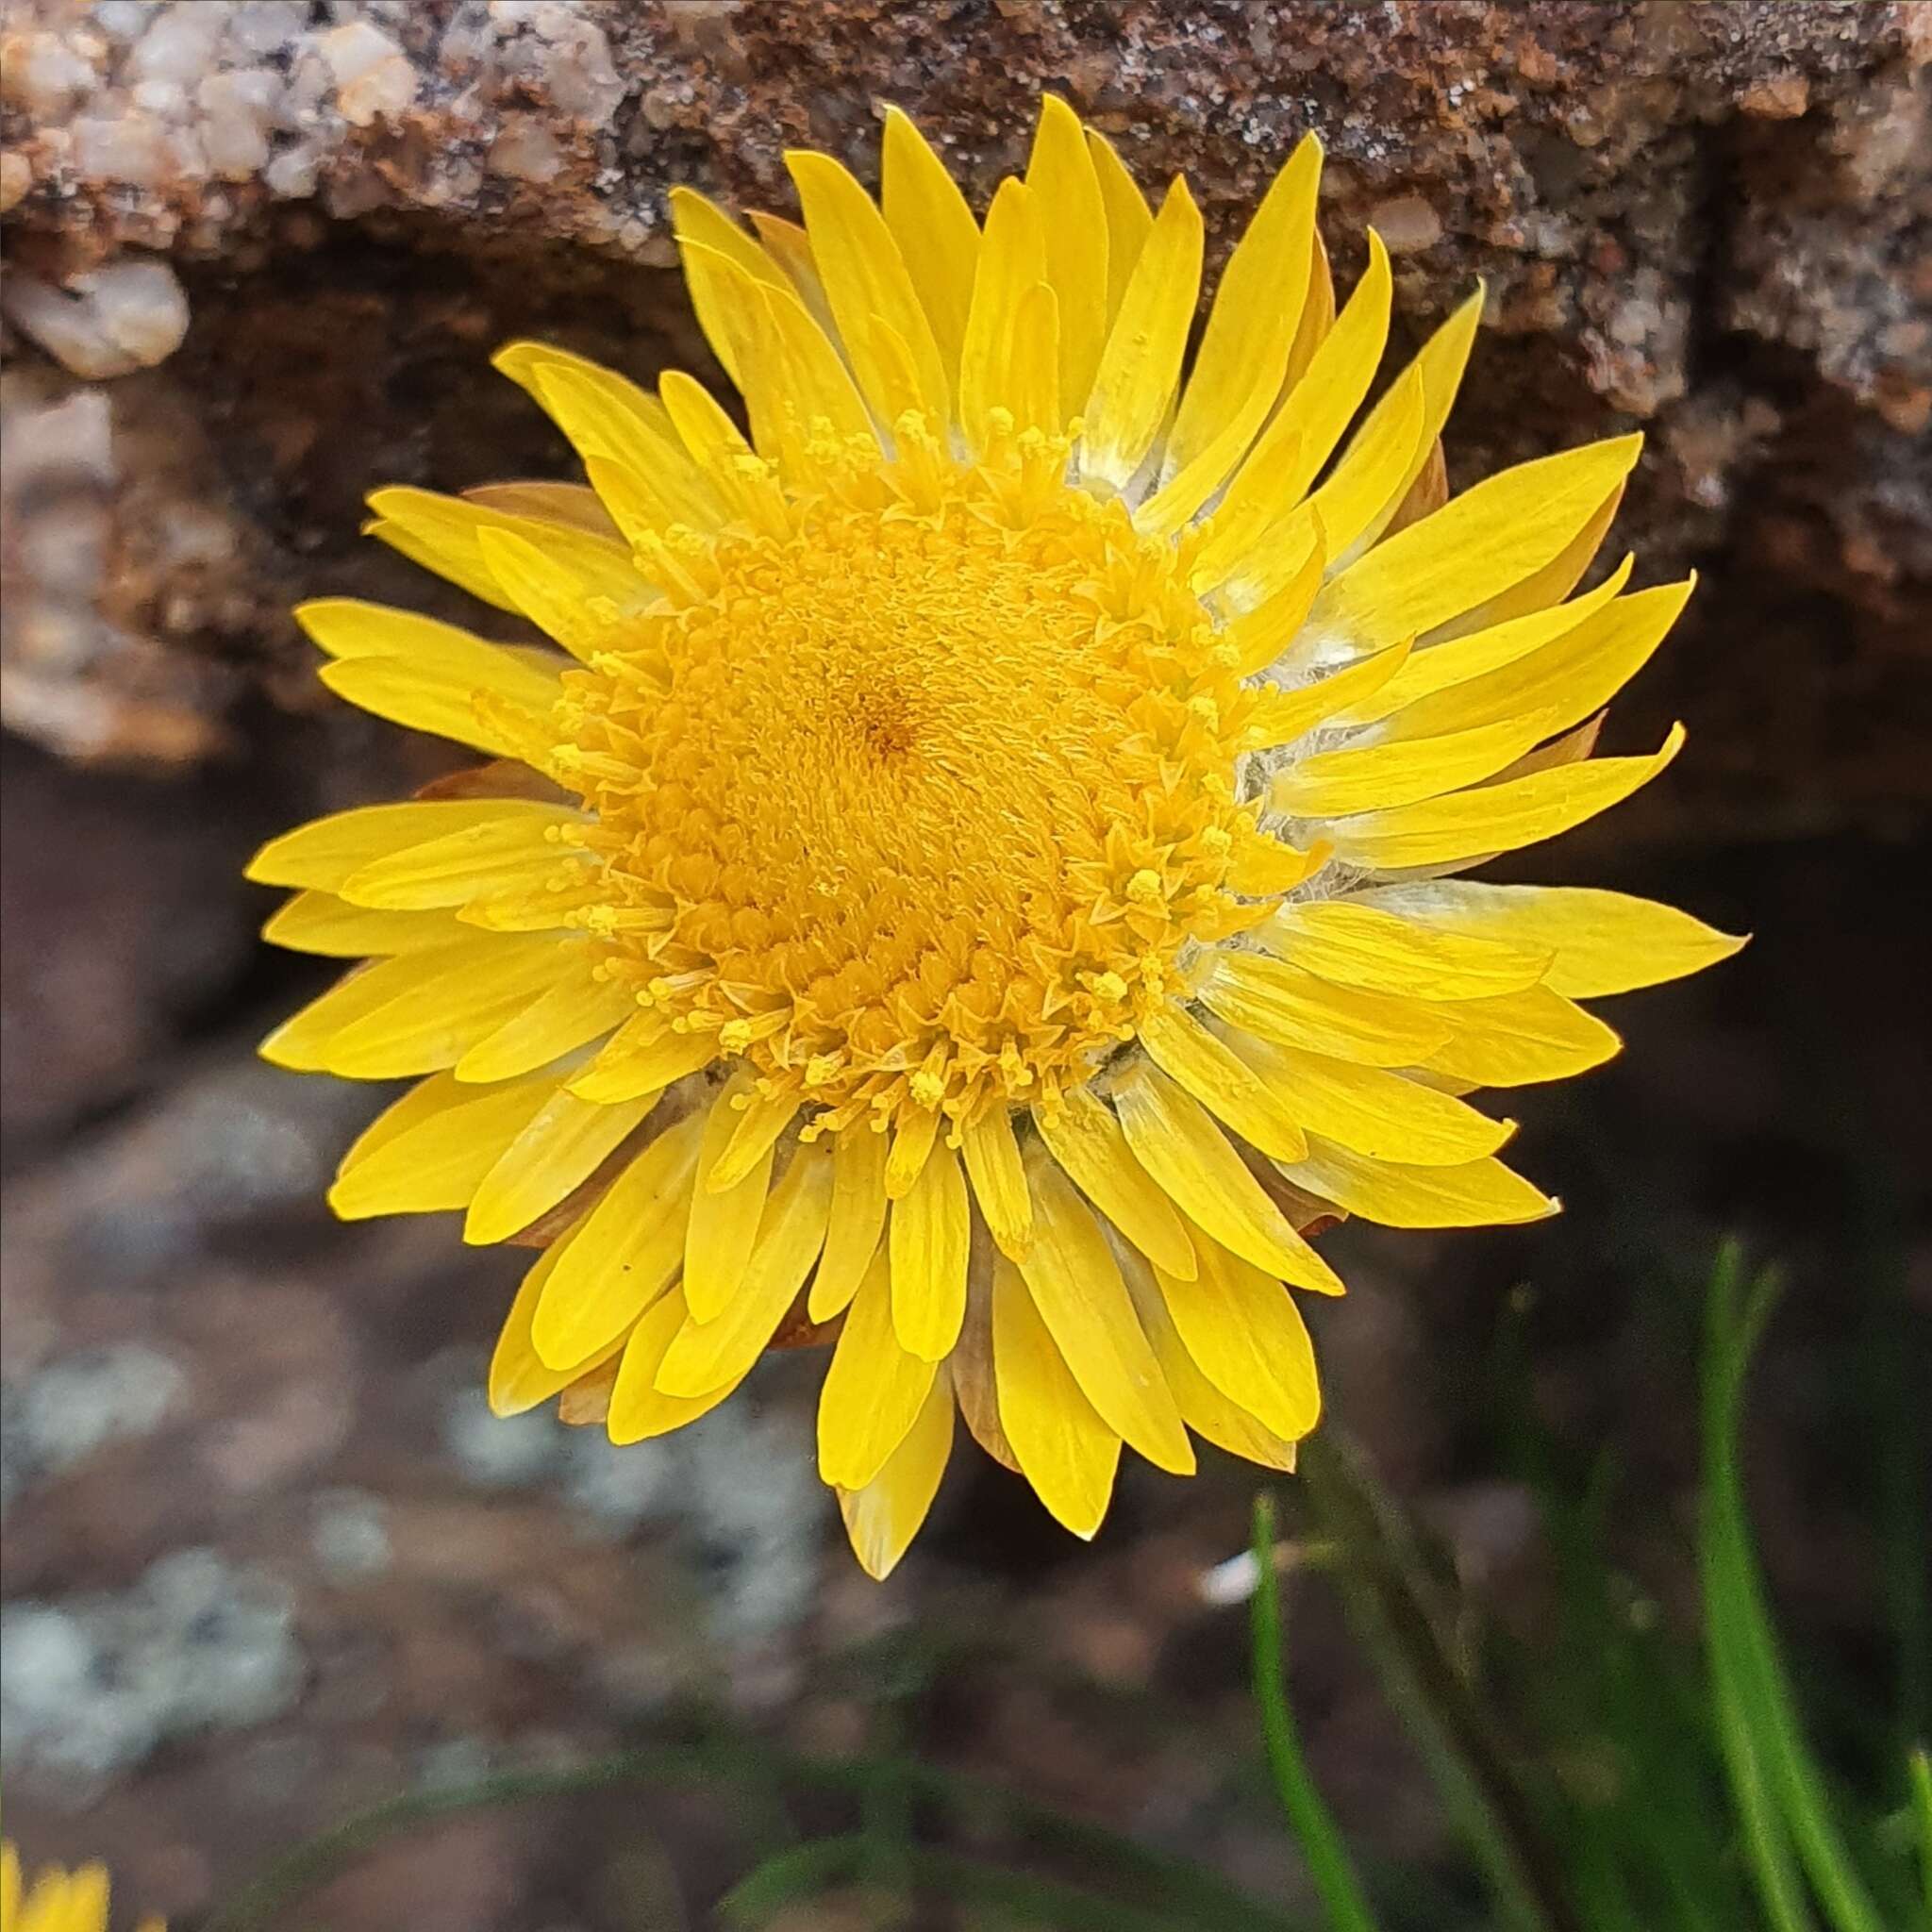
<point>1710,218</point>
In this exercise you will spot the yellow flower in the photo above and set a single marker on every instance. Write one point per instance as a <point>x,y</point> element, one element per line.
<point>60,1901</point>
<point>975,877</point>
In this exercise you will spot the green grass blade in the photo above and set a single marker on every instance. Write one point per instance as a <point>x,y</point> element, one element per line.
<point>1921,1771</point>
<point>1772,1769</point>
<point>1309,1817</point>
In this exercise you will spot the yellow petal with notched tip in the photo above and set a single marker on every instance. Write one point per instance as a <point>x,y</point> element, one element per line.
<point>725,1222</point>
<point>938,238</point>
<point>1065,187</point>
<point>1475,1195</point>
<point>1175,1140</point>
<point>324,852</point>
<point>1350,944</point>
<point>882,1519</point>
<point>866,279</point>
<point>1475,655</point>
<point>874,1390</point>
<point>1599,942</point>
<point>519,1377</point>
<point>1213,1415</point>
<point>1085,1138</point>
<point>432,1149</point>
<point>1372,1112</point>
<point>624,1254</point>
<point>1012,263</point>
<point>1057,1436</point>
<point>638,1409</point>
<point>320,922</point>
<point>563,1145</point>
<point>928,1242</point>
<point>1279,1002</point>
<point>642,1057</point>
<point>857,1220</point>
<point>1566,680</point>
<point>1370,777</point>
<point>574,1009</point>
<point>1129,220</point>
<point>1142,363</point>
<point>1519,1039</point>
<point>758,1128</point>
<point>790,1231</point>
<point>1494,534</point>
<point>1224,1083</point>
<point>509,852</point>
<point>1303,433</point>
<point>1495,818</point>
<point>999,1179</point>
<point>1246,1336</point>
<point>1075,1284</point>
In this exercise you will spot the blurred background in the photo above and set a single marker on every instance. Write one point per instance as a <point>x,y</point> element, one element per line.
<point>268,1560</point>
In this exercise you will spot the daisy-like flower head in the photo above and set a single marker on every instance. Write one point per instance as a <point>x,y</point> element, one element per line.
<point>58,1901</point>
<point>974,884</point>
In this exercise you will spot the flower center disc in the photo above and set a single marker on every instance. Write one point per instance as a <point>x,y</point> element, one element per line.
<point>932,800</point>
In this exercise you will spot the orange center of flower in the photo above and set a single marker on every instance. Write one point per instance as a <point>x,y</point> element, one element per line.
<point>927,802</point>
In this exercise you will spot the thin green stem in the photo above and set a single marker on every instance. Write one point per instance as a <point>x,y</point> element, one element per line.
<point>1309,1817</point>
<point>1920,1767</point>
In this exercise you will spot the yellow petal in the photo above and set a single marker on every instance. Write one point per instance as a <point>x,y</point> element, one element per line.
<point>444,702</point>
<point>1478,1194</point>
<point>710,241</point>
<point>643,1057</point>
<point>520,1378</point>
<point>1075,1284</point>
<point>1129,220</point>
<point>432,1149</point>
<point>938,238</point>
<point>564,1145</point>
<point>1372,1111</point>
<point>1085,1138</point>
<point>1243,355</point>
<point>1600,943</point>
<point>1379,776</point>
<point>1142,363</point>
<point>999,1179</point>
<point>638,1409</point>
<point>972,1371</point>
<point>1368,480</point>
<point>320,922</point>
<point>791,1230</point>
<point>928,1244</point>
<point>1182,1148</point>
<point>723,1223</point>
<point>1566,680</point>
<point>1519,1039</point>
<point>1248,1339</point>
<point>857,1220</point>
<point>1265,866</point>
<point>1303,433</point>
<point>1266,632</point>
<point>1282,717</point>
<point>911,1143</point>
<point>1476,654</point>
<point>883,1518</point>
<point>1012,263</point>
<point>1224,1083</point>
<point>874,1390</point>
<point>1542,588</point>
<point>1491,536</point>
<point>508,852</point>
<point>866,279</point>
<point>324,852</point>
<point>1283,1003</point>
<point>1350,944</point>
<point>1065,188</point>
<point>576,1008</point>
<point>1318,312</point>
<point>1495,818</point>
<point>624,1254</point>
<point>758,1128</point>
<point>1063,1447</point>
<point>1204,1407</point>
<point>569,504</point>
